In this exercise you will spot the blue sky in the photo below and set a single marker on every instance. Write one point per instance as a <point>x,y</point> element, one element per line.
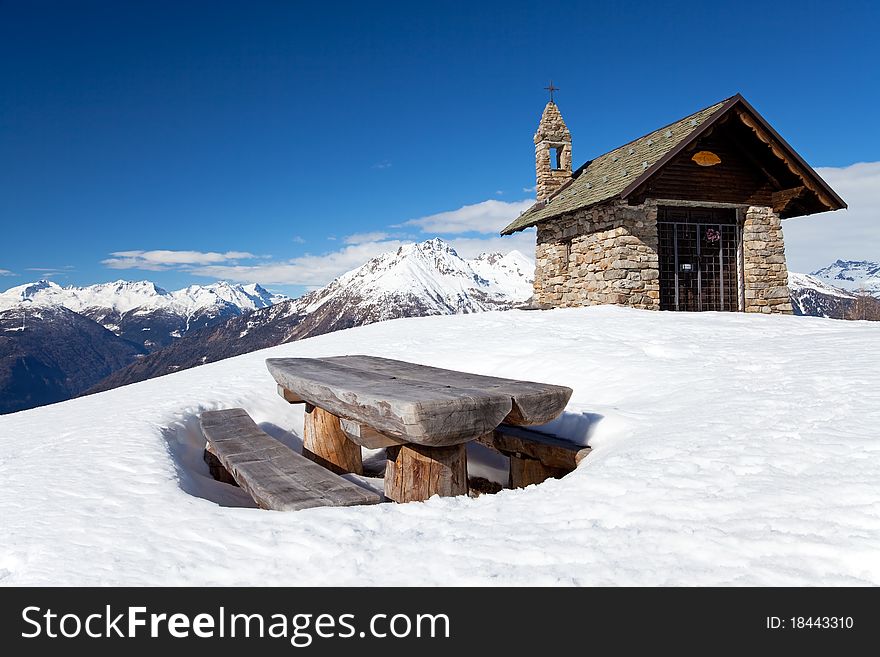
<point>285,142</point>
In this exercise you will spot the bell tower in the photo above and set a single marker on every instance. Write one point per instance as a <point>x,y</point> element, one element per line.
<point>552,150</point>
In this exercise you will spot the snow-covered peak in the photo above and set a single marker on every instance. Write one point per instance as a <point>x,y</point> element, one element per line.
<point>257,291</point>
<point>798,282</point>
<point>512,273</point>
<point>433,245</point>
<point>852,275</point>
<point>29,292</point>
<point>435,274</point>
<point>121,296</point>
<point>245,297</point>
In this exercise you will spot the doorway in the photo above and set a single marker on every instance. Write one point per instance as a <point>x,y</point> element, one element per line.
<point>698,250</point>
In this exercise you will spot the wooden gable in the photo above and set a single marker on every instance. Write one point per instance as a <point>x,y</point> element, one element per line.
<point>732,177</point>
<point>738,159</point>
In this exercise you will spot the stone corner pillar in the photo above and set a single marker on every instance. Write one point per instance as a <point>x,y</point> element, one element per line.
<point>764,269</point>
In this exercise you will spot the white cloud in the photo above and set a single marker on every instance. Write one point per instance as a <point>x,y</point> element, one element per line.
<point>384,164</point>
<point>61,268</point>
<point>486,217</point>
<point>164,259</point>
<point>528,190</point>
<point>360,238</point>
<point>307,270</point>
<point>6,272</point>
<point>854,234</point>
<point>50,271</point>
<point>297,239</point>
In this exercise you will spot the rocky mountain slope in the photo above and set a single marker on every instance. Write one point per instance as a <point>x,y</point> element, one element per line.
<point>50,353</point>
<point>845,289</point>
<point>814,297</point>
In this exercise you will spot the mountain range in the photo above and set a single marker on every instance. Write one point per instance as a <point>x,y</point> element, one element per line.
<point>845,289</point>
<point>852,275</point>
<point>140,311</point>
<point>428,278</point>
<point>138,330</point>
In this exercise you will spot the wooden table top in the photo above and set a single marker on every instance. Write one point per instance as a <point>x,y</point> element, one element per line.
<point>416,403</point>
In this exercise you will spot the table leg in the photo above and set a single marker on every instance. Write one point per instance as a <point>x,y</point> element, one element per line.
<point>326,444</point>
<point>416,472</point>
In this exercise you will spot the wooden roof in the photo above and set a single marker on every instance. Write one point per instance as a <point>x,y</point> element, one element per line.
<point>620,173</point>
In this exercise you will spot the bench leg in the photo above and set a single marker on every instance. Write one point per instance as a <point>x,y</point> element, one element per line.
<point>219,472</point>
<point>526,471</point>
<point>326,444</point>
<point>414,472</point>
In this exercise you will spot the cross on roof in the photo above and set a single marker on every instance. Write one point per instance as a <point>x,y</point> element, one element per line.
<point>551,89</point>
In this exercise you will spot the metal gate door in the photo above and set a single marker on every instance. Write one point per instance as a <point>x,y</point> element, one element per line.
<point>697,252</point>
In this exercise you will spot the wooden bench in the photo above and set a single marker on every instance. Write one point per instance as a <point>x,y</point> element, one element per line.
<point>423,415</point>
<point>534,457</point>
<point>273,474</point>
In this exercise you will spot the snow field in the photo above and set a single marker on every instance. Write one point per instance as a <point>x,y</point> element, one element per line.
<point>727,449</point>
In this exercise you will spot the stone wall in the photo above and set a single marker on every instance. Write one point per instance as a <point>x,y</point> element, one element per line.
<point>608,254</point>
<point>552,133</point>
<point>548,179</point>
<point>764,270</point>
<point>604,254</point>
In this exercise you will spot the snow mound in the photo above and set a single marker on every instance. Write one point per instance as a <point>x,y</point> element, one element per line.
<point>728,449</point>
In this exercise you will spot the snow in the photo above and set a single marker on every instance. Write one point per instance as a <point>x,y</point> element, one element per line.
<point>852,275</point>
<point>798,282</point>
<point>512,274</point>
<point>728,449</point>
<point>140,296</point>
<point>432,272</point>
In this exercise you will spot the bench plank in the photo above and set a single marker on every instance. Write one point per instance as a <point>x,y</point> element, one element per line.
<point>273,474</point>
<point>552,452</point>
<point>533,403</point>
<point>415,411</point>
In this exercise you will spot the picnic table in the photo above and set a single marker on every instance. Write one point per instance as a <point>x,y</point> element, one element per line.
<point>424,416</point>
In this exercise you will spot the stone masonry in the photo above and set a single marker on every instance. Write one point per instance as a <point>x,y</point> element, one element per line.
<point>607,252</point>
<point>552,133</point>
<point>603,254</point>
<point>764,270</point>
